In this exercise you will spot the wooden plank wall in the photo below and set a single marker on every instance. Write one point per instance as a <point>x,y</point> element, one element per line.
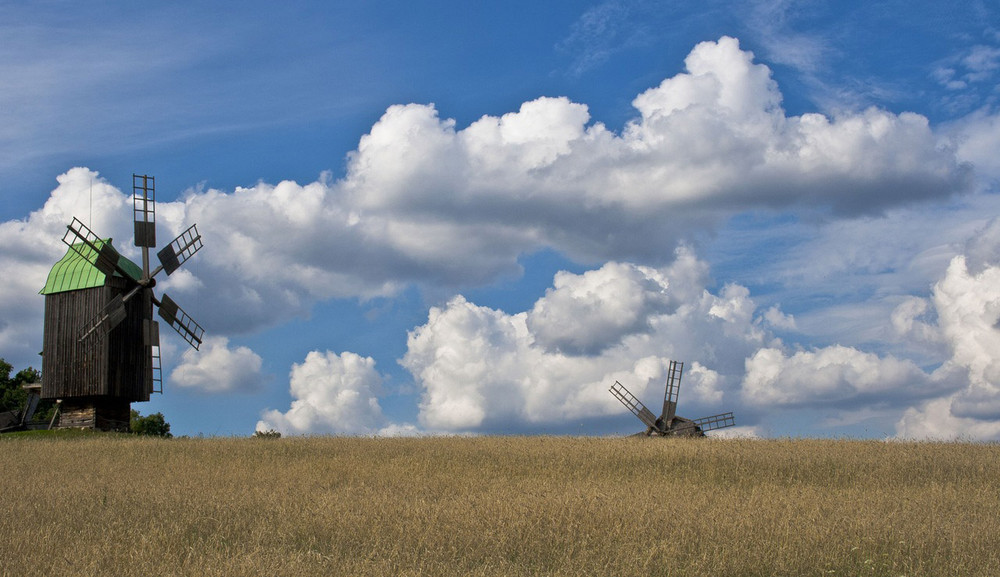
<point>128,355</point>
<point>115,365</point>
<point>68,368</point>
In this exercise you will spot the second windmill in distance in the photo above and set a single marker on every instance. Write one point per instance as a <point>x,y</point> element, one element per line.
<point>668,424</point>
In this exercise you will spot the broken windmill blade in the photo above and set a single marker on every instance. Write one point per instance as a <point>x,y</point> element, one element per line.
<point>101,348</point>
<point>668,423</point>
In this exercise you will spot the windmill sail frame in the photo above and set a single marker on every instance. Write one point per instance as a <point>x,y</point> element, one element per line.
<point>668,423</point>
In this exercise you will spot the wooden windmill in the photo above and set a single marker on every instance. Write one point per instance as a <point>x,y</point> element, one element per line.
<point>669,424</point>
<point>101,345</point>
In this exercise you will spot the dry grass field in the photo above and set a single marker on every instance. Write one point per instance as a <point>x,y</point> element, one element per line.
<point>121,505</point>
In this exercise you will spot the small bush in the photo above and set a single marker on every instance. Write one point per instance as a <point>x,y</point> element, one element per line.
<point>153,425</point>
<point>268,434</point>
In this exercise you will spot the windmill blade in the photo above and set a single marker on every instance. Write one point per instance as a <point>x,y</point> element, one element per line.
<point>111,315</point>
<point>633,404</point>
<point>104,257</point>
<point>179,250</point>
<point>151,340</point>
<point>715,422</point>
<point>181,322</point>
<point>150,333</point>
<point>144,210</point>
<point>674,372</point>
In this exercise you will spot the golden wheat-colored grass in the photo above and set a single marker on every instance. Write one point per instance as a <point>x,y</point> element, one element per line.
<point>120,505</point>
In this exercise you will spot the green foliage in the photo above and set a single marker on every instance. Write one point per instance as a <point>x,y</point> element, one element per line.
<point>268,434</point>
<point>13,397</point>
<point>153,425</point>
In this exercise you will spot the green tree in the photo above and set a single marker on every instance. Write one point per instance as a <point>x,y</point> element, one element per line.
<point>12,396</point>
<point>154,425</point>
<point>9,400</point>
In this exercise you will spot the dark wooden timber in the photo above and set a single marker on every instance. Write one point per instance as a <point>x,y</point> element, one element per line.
<point>114,365</point>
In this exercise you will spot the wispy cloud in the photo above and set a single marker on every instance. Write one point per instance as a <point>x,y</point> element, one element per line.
<point>118,78</point>
<point>808,52</point>
<point>602,31</point>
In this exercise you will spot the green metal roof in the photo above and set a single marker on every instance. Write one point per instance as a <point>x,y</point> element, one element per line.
<point>74,272</point>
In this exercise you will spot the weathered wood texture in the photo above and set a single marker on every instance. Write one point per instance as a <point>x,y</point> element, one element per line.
<point>104,413</point>
<point>116,365</point>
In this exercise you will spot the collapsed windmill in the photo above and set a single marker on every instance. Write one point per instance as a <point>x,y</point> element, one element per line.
<point>101,346</point>
<point>669,424</point>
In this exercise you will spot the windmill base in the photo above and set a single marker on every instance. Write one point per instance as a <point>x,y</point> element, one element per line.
<point>97,413</point>
<point>680,433</point>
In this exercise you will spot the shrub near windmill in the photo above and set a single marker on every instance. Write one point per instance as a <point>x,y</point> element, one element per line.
<point>101,345</point>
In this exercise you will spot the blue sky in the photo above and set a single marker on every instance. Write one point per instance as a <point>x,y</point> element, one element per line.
<point>455,218</point>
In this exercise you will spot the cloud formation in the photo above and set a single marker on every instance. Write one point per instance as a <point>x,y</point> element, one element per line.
<point>583,314</point>
<point>481,369</point>
<point>425,202</point>
<point>604,30</point>
<point>831,376</point>
<point>217,368</point>
<point>333,394</point>
<point>33,245</point>
<point>966,307</point>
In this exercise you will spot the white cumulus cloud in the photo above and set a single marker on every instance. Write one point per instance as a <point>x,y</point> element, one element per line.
<point>966,306</point>
<point>333,394</point>
<point>482,369</point>
<point>935,420</point>
<point>585,313</point>
<point>424,201</point>
<point>33,245</point>
<point>835,374</point>
<point>218,368</point>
